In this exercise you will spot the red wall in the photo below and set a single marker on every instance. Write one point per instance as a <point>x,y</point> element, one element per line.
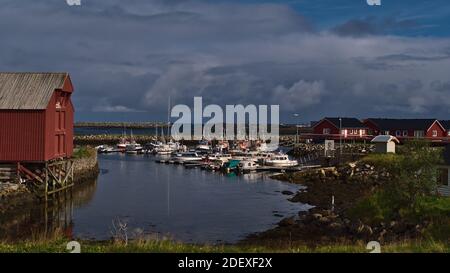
<point>22,135</point>
<point>318,129</point>
<point>429,133</point>
<point>59,125</point>
<point>441,132</point>
<point>38,135</point>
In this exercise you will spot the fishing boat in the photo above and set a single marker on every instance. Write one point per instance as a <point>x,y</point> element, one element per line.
<point>247,166</point>
<point>281,160</point>
<point>231,165</point>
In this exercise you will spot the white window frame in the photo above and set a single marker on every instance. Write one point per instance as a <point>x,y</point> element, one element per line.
<point>435,133</point>
<point>419,133</point>
<point>326,131</point>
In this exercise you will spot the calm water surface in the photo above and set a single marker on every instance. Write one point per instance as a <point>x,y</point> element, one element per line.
<point>190,205</point>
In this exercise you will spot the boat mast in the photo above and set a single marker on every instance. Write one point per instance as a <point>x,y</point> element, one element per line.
<point>168,119</point>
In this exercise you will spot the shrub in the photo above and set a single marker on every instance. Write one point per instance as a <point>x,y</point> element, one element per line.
<point>83,152</point>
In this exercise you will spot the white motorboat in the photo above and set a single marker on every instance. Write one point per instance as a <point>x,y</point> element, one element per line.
<point>219,157</point>
<point>185,157</point>
<point>203,146</point>
<point>133,148</point>
<point>262,157</point>
<point>247,165</point>
<point>103,149</point>
<point>281,160</point>
<point>248,156</point>
<point>264,147</point>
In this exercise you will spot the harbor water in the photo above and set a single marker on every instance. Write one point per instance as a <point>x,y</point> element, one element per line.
<point>189,205</point>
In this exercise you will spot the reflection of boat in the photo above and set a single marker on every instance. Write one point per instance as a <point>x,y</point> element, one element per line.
<point>247,165</point>
<point>281,160</point>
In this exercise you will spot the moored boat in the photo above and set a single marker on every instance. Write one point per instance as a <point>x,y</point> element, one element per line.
<point>281,160</point>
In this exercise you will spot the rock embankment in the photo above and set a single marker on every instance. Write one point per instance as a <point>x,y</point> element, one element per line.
<point>85,168</point>
<point>330,223</point>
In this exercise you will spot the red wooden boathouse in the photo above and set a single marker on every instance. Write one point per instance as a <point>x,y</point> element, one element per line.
<point>36,117</point>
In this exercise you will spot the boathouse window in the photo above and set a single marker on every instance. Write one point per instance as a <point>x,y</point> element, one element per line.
<point>386,132</point>
<point>398,133</point>
<point>435,133</point>
<point>326,131</point>
<point>405,133</point>
<point>443,176</point>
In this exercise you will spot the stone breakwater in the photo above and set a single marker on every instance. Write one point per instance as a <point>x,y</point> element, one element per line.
<point>85,168</point>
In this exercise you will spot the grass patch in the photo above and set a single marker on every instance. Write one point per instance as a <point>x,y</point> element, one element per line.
<point>385,161</point>
<point>166,246</point>
<point>84,152</point>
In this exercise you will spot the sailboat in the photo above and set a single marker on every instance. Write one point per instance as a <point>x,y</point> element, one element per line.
<point>133,147</point>
<point>123,142</point>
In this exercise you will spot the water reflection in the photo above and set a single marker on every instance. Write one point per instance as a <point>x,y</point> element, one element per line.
<point>190,205</point>
<point>46,219</point>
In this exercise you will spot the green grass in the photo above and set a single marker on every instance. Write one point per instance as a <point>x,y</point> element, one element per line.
<point>165,246</point>
<point>83,152</point>
<point>382,160</point>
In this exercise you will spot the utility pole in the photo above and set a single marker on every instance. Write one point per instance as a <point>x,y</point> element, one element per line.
<point>340,139</point>
<point>297,118</point>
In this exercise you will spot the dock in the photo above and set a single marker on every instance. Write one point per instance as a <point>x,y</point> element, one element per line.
<point>203,165</point>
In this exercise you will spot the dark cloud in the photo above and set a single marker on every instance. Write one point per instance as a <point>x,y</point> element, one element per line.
<point>131,56</point>
<point>372,26</point>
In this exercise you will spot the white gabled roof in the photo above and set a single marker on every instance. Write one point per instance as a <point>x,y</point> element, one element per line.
<point>384,139</point>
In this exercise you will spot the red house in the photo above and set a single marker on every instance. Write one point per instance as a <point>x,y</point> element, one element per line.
<point>36,117</point>
<point>406,128</point>
<point>337,127</point>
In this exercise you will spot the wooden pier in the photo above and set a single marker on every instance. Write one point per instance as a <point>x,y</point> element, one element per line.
<point>44,178</point>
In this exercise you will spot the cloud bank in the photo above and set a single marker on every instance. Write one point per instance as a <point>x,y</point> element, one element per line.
<point>130,56</point>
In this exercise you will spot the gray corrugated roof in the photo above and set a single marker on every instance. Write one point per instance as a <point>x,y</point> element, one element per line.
<point>388,124</point>
<point>346,122</point>
<point>28,91</point>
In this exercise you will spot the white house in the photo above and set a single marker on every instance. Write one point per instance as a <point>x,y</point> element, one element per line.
<point>385,143</point>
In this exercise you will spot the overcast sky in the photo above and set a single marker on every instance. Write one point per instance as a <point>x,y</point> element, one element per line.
<point>312,57</point>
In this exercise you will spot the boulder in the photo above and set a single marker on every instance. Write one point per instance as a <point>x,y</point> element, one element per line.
<point>287,222</point>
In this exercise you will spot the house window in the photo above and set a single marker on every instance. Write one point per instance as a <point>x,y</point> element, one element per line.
<point>443,176</point>
<point>405,133</point>
<point>326,131</point>
<point>435,133</point>
<point>448,133</point>
<point>386,133</point>
<point>419,133</point>
<point>398,133</point>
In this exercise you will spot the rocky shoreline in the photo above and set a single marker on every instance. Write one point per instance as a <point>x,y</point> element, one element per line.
<point>327,224</point>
